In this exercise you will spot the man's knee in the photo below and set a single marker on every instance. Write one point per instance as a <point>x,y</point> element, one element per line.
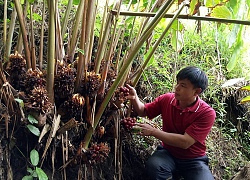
<point>156,170</point>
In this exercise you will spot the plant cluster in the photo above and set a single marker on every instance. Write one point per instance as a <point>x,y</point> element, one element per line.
<point>76,98</point>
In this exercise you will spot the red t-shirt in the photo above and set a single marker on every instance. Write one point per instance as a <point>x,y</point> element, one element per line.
<point>196,120</point>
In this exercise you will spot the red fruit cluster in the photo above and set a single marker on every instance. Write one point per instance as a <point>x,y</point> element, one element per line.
<point>128,122</point>
<point>124,90</point>
<point>97,153</point>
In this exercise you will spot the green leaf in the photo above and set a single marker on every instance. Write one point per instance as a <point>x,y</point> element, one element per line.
<point>37,17</point>
<point>192,6</point>
<point>22,2</point>
<point>127,1</point>
<point>177,25</point>
<point>33,129</point>
<point>176,40</point>
<point>235,56</point>
<point>212,3</point>
<point>41,174</point>
<point>31,1</point>
<point>245,88</point>
<point>20,101</point>
<point>32,120</point>
<point>34,174</point>
<point>248,3</point>
<point>76,2</point>
<point>80,50</point>
<point>29,170</point>
<point>27,178</point>
<point>34,157</point>
<point>221,12</point>
<point>232,37</point>
<point>245,100</point>
<point>151,58</point>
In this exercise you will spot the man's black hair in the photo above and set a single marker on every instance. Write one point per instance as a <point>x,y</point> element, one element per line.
<point>196,76</point>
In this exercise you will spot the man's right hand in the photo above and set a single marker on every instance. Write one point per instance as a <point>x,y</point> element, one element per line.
<point>132,92</point>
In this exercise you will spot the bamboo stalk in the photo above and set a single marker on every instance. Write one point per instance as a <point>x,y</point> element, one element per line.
<point>66,17</point>
<point>163,10</point>
<point>81,56</point>
<point>184,16</point>
<point>140,71</point>
<point>10,32</point>
<point>77,22</point>
<point>24,32</point>
<point>110,51</point>
<point>41,38</point>
<point>5,30</point>
<point>60,53</point>
<point>132,45</point>
<point>33,53</point>
<point>101,50</point>
<point>19,47</point>
<point>90,31</point>
<point>51,51</point>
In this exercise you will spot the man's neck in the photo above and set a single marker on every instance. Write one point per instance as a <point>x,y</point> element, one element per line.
<point>185,104</point>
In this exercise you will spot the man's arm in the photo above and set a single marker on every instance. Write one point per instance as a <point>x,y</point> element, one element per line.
<point>135,101</point>
<point>172,139</point>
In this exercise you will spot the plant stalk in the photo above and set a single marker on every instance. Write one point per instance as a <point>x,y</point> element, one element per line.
<point>33,50</point>
<point>184,16</point>
<point>41,38</point>
<point>10,33</point>
<point>156,45</point>
<point>51,51</point>
<point>24,32</point>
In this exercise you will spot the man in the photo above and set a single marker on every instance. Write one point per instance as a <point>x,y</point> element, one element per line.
<point>187,120</point>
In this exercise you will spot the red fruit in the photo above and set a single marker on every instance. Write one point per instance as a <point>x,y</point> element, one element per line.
<point>122,89</point>
<point>126,94</point>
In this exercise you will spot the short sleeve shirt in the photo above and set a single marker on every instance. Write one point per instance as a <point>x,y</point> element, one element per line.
<point>196,120</point>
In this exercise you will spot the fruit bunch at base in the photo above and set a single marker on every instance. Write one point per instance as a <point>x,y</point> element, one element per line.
<point>73,108</point>
<point>33,78</point>
<point>97,153</point>
<point>16,68</point>
<point>128,123</point>
<point>91,84</point>
<point>38,104</point>
<point>64,80</point>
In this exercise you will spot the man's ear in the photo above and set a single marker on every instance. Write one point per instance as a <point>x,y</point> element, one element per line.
<point>198,91</point>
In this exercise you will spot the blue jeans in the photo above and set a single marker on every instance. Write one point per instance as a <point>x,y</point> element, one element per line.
<point>162,165</point>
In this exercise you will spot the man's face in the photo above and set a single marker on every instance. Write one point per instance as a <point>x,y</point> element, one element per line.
<point>185,90</point>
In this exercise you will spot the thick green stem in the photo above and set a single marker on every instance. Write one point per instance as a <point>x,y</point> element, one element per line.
<point>66,17</point>
<point>51,51</point>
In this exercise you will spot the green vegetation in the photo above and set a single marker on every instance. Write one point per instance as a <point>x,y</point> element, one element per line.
<point>35,171</point>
